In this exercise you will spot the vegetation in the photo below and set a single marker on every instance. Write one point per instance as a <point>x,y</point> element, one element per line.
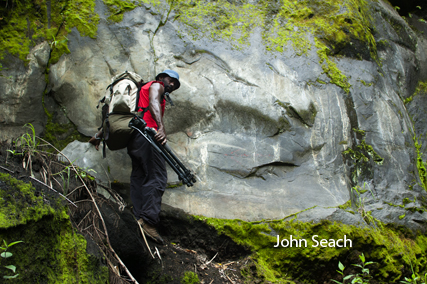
<point>190,278</point>
<point>363,157</point>
<point>49,237</point>
<point>62,258</point>
<point>385,245</point>
<point>363,277</point>
<point>284,24</point>
<point>26,23</point>
<point>7,254</point>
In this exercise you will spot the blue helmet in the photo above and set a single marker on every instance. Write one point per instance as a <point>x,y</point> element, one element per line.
<point>170,73</point>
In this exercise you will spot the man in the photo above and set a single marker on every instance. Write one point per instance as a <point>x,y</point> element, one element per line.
<point>149,177</point>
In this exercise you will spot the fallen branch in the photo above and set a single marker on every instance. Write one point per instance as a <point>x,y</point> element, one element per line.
<point>51,188</point>
<point>143,235</point>
<point>229,278</point>
<point>75,190</point>
<point>211,259</point>
<point>6,169</point>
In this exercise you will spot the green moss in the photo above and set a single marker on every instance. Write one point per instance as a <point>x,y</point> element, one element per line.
<point>345,205</point>
<point>420,164</point>
<point>27,23</point>
<point>382,244</point>
<point>420,89</point>
<point>330,68</point>
<point>19,204</point>
<point>59,135</point>
<point>406,201</point>
<point>401,217</point>
<point>283,23</point>
<point>362,155</point>
<point>190,278</point>
<point>51,251</point>
<point>359,131</point>
<point>53,131</point>
<point>118,7</point>
<point>366,84</point>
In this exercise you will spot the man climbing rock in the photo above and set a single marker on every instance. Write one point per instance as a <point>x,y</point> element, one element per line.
<point>149,177</point>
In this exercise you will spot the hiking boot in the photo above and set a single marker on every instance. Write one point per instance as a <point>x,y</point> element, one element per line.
<point>150,231</point>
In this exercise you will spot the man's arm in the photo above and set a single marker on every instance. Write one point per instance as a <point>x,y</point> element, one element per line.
<point>96,140</point>
<point>155,96</point>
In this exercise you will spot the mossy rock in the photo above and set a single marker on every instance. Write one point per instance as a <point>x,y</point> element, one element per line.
<point>394,250</point>
<point>51,251</point>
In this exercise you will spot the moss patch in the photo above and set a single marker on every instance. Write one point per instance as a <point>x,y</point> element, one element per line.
<point>190,278</point>
<point>54,131</point>
<point>420,89</point>
<point>19,204</point>
<point>51,251</point>
<point>26,23</point>
<point>118,7</point>
<point>334,24</point>
<point>421,166</point>
<point>382,244</point>
<point>363,156</point>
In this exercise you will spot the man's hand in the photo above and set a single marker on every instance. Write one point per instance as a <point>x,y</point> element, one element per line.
<point>96,140</point>
<point>160,136</point>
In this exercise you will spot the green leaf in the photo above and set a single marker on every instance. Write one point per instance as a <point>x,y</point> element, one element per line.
<point>362,257</point>
<point>14,243</point>
<point>6,254</point>
<point>340,266</point>
<point>419,7</point>
<point>10,277</point>
<point>11,267</point>
<point>336,281</point>
<point>348,277</point>
<point>369,262</point>
<point>365,270</point>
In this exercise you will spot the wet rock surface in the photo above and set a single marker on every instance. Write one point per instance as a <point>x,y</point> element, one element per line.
<point>267,133</point>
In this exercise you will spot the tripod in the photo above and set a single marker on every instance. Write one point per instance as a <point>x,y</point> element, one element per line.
<point>184,174</point>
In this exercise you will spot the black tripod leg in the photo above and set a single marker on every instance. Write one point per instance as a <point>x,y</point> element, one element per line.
<point>167,158</point>
<point>186,171</point>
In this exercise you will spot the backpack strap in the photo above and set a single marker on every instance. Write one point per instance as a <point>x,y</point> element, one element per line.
<point>106,135</point>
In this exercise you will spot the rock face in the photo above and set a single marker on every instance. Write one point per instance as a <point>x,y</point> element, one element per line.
<point>265,134</point>
<point>21,90</point>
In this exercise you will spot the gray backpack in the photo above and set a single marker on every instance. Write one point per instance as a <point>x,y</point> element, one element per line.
<point>120,106</point>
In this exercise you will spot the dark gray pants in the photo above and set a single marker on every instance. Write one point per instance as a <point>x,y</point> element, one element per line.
<point>148,179</point>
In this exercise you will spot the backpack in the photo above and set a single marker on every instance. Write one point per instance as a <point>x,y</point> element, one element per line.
<point>120,106</point>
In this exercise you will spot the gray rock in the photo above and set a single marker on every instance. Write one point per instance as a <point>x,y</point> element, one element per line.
<point>21,90</point>
<point>116,167</point>
<point>264,138</point>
